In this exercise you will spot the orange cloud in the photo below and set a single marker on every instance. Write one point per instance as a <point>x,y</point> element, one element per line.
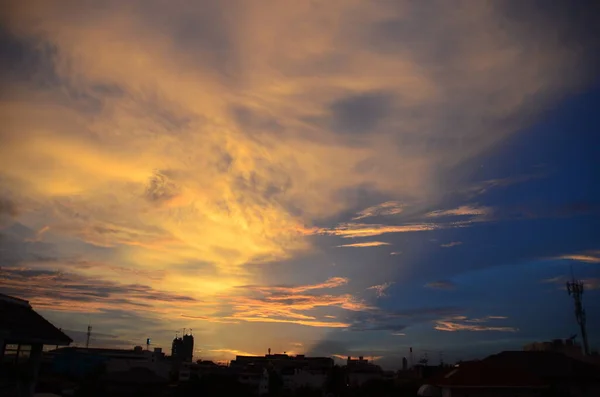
<point>464,210</point>
<point>355,230</point>
<point>366,244</point>
<point>380,289</point>
<point>387,208</point>
<point>581,258</point>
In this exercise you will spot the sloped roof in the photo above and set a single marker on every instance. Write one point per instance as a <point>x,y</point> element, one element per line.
<point>488,375</point>
<point>19,323</point>
<point>547,365</point>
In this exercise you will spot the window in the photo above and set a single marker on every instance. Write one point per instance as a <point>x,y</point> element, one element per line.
<point>15,353</point>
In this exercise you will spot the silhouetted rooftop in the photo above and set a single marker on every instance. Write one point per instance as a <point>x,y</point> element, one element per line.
<point>488,375</point>
<point>19,323</point>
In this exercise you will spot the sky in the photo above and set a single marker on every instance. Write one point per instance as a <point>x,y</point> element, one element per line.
<point>320,177</point>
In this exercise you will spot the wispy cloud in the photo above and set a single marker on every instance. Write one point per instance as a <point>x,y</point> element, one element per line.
<point>465,210</point>
<point>71,292</point>
<point>381,289</point>
<point>366,244</point>
<point>387,208</point>
<point>587,258</point>
<point>294,304</point>
<point>442,284</point>
<point>332,282</point>
<point>560,281</point>
<point>199,132</point>
<point>451,244</point>
<point>463,323</point>
<point>396,253</point>
<point>355,230</point>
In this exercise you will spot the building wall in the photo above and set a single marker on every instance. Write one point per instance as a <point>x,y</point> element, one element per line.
<point>495,392</point>
<point>360,378</point>
<point>303,378</point>
<point>160,368</point>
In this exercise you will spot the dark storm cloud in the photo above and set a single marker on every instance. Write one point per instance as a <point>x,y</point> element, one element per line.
<point>360,113</point>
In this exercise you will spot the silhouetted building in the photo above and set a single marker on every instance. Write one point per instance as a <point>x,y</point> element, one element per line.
<point>23,333</point>
<point>80,361</point>
<point>404,364</point>
<point>183,348</point>
<point>360,371</point>
<point>480,378</point>
<point>568,347</point>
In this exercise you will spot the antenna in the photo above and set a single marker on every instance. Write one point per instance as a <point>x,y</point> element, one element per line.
<point>575,289</point>
<point>89,334</point>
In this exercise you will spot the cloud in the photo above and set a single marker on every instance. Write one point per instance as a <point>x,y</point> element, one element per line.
<point>293,304</point>
<point>396,253</point>
<point>442,284</point>
<point>231,353</point>
<point>587,258</point>
<point>98,339</point>
<point>53,290</point>
<point>332,282</point>
<point>198,131</point>
<point>462,323</point>
<point>380,289</point>
<point>397,320</point>
<point>355,230</point>
<point>465,210</point>
<point>360,113</point>
<point>561,281</point>
<point>387,208</point>
<point>365,244</point>
<point>451,244</point>
<point>8,207</point>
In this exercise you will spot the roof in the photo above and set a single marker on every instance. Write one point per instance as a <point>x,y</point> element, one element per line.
<point>488,375</point>
<point>19,323</point>
<point>102,351</point>
<point>547,365</point>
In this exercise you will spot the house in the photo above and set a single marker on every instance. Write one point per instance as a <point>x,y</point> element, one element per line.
<point>23,333</point>
<point>517,373</point>
<point>482,379</point>
<point>565,374</point>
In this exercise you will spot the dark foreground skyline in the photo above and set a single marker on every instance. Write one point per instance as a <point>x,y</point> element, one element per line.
<point>320,178</point>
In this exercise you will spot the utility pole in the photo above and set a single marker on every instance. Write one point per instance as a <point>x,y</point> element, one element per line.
<point>575,289</point>
<point>89,334</point>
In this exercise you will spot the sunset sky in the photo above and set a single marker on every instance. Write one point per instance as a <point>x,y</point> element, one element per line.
<point>327,177</point>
